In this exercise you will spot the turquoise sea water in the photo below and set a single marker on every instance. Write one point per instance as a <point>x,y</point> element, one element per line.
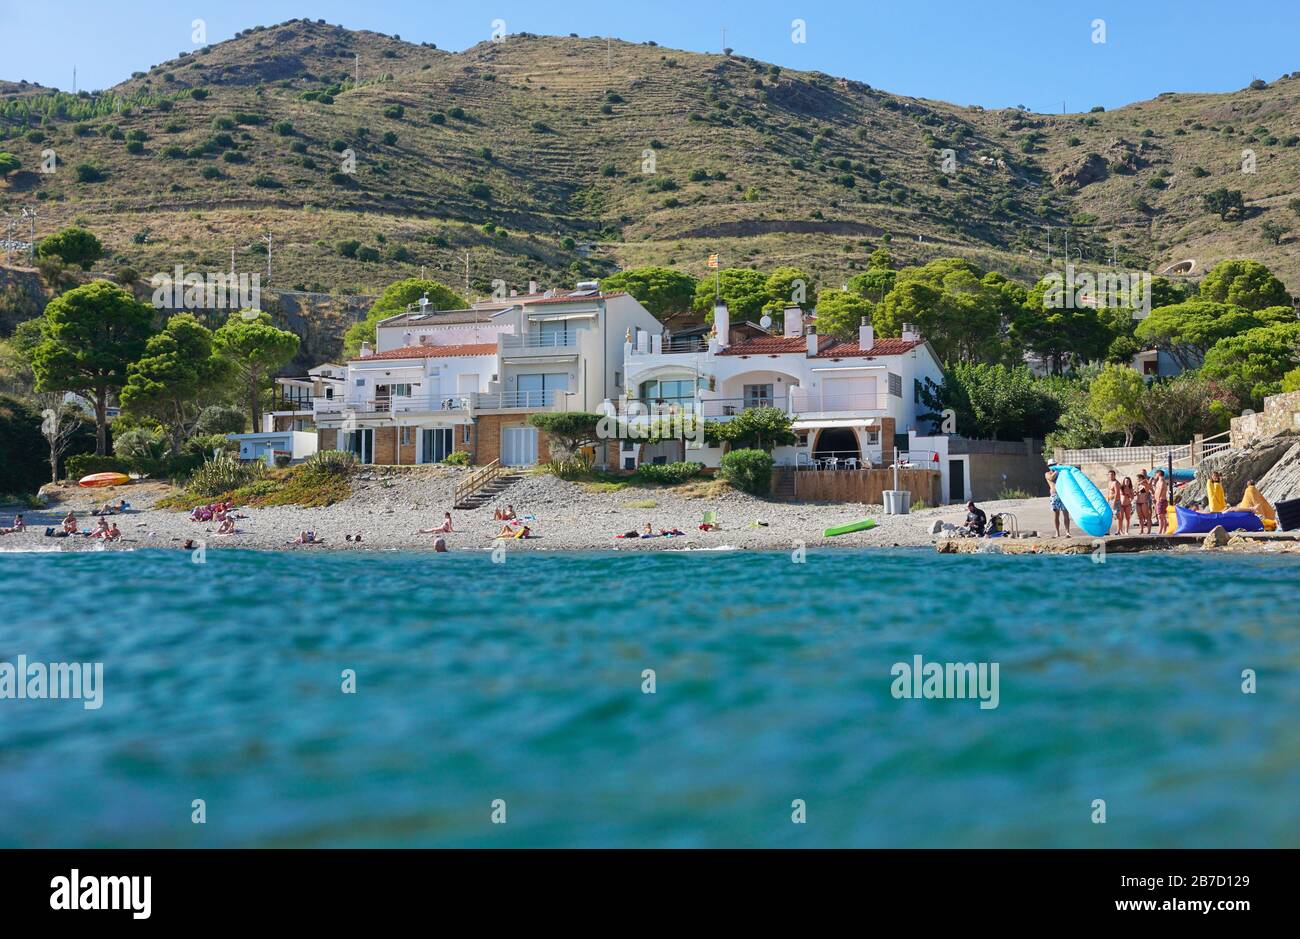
<point>523,681</point>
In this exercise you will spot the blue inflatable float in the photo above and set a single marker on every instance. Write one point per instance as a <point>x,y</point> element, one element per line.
<point>1087,506</point>
<point>1198,523</point>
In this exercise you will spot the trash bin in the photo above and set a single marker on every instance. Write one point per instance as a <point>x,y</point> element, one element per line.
<point>897,501</point>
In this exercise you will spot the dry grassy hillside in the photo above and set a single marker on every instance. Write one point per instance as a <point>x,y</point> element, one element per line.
<point>528,154</point>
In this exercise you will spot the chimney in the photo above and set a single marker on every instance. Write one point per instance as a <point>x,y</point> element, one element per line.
<point>513,292</point>
<point>722,324</point>
<point>793,322</point>
<point>365,350</point>
<point>407,338</point>
<point>532,288</point>
<point>866,335</point>
<point>910,331</point>
<point>812,340</point>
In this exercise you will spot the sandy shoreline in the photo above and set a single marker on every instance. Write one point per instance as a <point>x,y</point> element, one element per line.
<point>386,509</point>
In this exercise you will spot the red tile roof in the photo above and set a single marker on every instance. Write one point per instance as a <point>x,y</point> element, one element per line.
<point>429,352</point>
<point>561,298</point>
<point>827,348</point>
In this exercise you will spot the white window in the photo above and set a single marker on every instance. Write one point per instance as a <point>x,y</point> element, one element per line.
<point>758,396</point>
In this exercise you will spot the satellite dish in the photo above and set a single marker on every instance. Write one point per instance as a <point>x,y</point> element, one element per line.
<point>765,322</point>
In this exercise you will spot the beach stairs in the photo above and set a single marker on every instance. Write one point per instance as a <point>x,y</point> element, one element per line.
<point>783,483</point>
<point>484,485</point>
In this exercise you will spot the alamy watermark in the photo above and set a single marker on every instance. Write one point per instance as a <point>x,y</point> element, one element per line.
<point>654,422</point>
<point>213,290</point>
<point>82,681</point>
<point>1104,290</point>
<point>920,679</point>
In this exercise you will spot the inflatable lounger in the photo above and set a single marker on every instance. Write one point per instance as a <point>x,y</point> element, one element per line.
<point>860,525</point>
<point>1087,506</point>
<point>1198,523</point>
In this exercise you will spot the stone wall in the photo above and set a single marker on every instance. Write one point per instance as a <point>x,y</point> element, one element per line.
<point>1281,415</point>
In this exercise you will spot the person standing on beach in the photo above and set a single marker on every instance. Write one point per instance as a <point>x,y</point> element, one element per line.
<point>1058,507</point>
<point>1116,500</point>
<point>1126,505</point>
<point>1142,499</point>
<point>1162,501</point>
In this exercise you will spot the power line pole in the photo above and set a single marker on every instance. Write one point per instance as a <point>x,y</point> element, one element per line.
<point>357,57</point>
<point>30,215</point>
<point>232,260</point>
<point>267,237</point>
<point>467,275</point>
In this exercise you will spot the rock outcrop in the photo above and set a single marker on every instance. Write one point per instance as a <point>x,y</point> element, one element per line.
<point>1238,467</point>
<point>1217,538</point>
<point>1283,480</point>
<point>1086,169</point>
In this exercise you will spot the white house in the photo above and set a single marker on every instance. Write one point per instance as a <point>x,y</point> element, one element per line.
<point>440,381</point>
<point>848,400</point>
<point>266,446</point>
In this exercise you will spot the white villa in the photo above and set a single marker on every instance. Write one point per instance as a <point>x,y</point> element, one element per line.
<point>439,381</point>
<point>848,400</point>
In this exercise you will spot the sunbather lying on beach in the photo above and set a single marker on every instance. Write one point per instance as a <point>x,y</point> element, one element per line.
<point>111,508</point>
<point>227,527</point>
<point>306,537</point>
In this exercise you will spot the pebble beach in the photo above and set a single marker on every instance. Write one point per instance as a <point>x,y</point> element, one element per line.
<point>387,509</point>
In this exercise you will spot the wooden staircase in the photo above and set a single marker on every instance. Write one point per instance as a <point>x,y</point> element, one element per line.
<point>783,484</point>
<point>483,485</point>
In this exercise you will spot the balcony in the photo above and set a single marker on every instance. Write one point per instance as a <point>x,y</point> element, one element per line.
<point>715,408</point>
<point>531,344</point>
<point>394,404</point>
<point>519,400</point>
<point>817,402</point>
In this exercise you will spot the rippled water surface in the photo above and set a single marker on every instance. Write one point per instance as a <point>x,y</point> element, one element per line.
<point>523,682</point>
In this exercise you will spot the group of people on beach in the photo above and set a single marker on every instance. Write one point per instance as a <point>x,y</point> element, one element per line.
<point>1149,498</point>
<point>70,528</point>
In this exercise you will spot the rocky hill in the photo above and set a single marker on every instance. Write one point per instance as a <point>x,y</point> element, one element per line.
<point>555,157</point>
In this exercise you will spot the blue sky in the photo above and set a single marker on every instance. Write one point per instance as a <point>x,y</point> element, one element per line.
<point>996,53</point>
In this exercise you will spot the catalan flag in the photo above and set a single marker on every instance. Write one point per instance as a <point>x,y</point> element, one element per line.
<point>713,261</point>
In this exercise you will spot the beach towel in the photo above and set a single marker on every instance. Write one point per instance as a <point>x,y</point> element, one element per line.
<point>1252,500</point>
<point>1216,500</point>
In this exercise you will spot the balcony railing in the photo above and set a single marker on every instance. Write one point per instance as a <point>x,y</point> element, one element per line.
<point>649,406</point>
<point>283,403</point>
<point>730,407</point>
<point>803,402</point>
<point>503,400</point>
<point>541,341</point>
<point>686,345</point>
<point>395,404</point>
